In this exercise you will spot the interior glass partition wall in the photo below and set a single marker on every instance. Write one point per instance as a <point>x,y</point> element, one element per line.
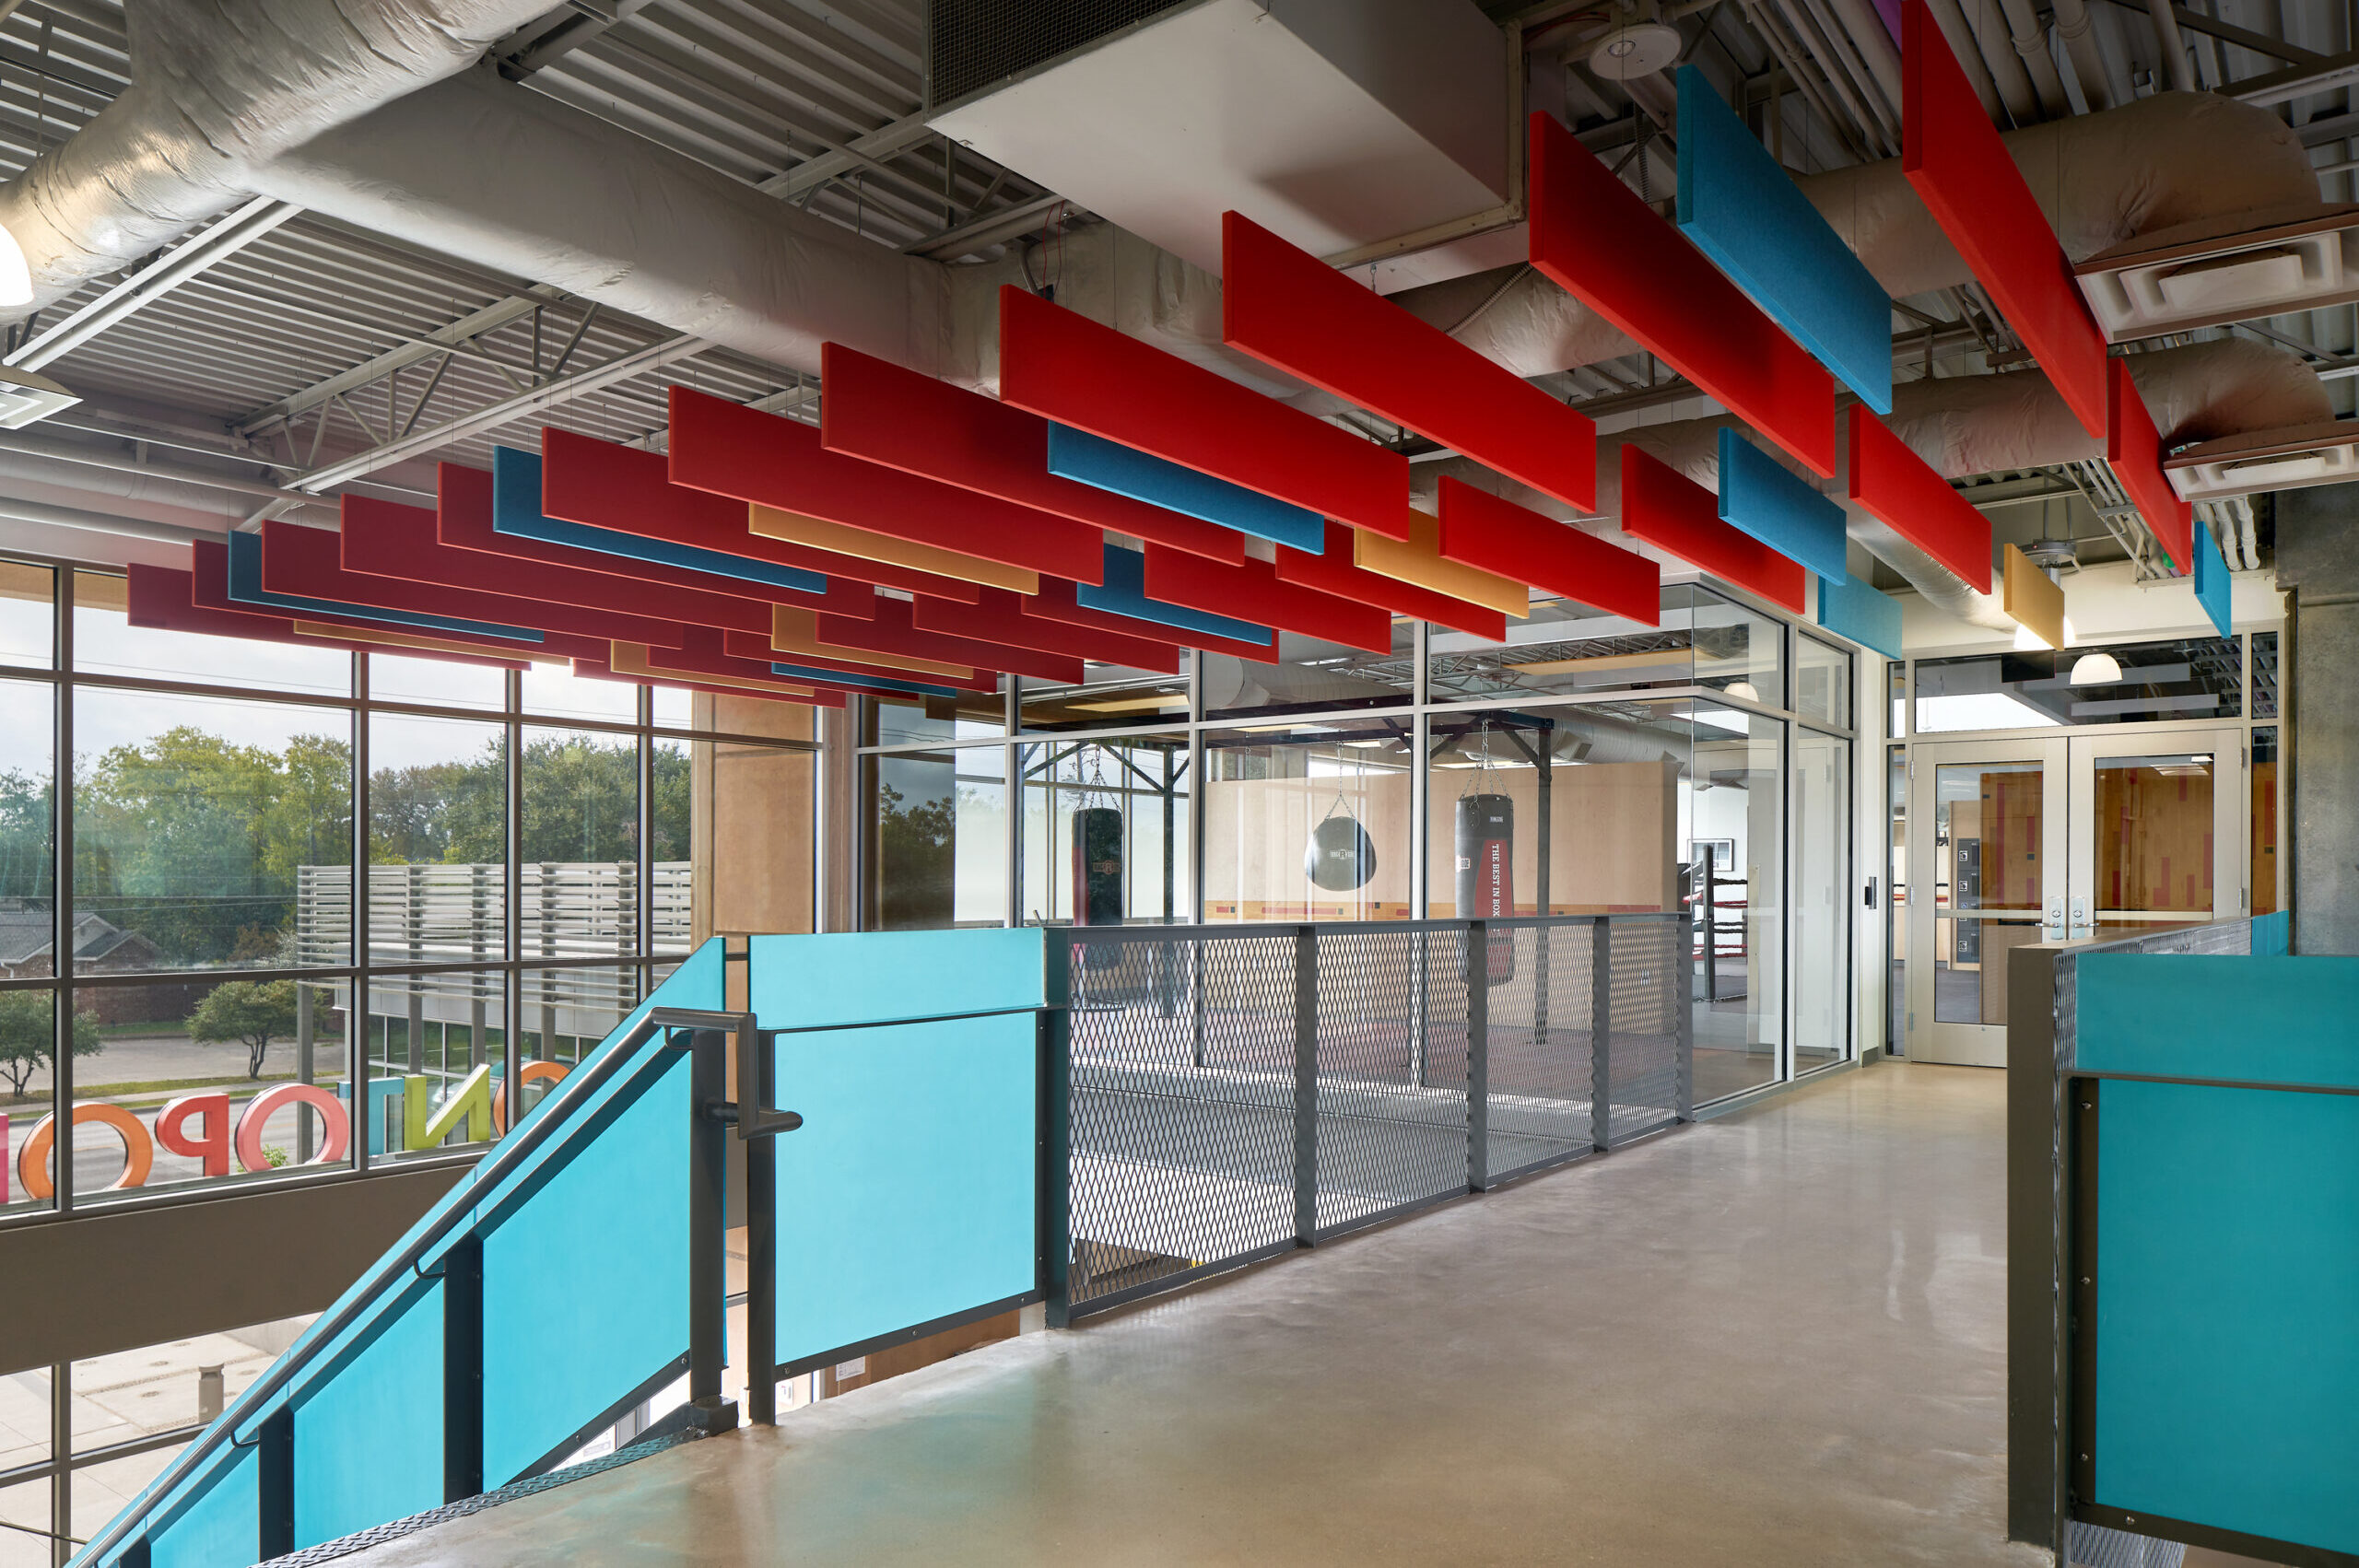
<point>1582,763</point>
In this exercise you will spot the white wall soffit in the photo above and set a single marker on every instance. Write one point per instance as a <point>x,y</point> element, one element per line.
<point>2102,604</point>
<point>1334,122</point>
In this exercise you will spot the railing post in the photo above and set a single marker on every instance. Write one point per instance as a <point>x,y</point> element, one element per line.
<point>1477,948</point>
<point>1053,1224</point>
<point>708,1214</point>
<point>463,1370</point>
<point>1601,1032</point>
<point>1683,1013</point>
<point>275,1484</point>
<point>1306,1086</point>
<point>761,1274</point>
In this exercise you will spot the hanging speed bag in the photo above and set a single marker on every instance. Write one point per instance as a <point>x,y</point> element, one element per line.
<point>1485,835</point>
<point>1098,879</point>
<point>1340,856</point>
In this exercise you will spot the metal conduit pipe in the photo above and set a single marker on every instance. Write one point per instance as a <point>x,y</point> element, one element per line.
<point>2030,40</point>
<point>1993,68</point>
<point>219,88</point>
<point>101,522</point>
<point>1769,26</point>
<point>1817,23</point>
<point>190,482</point>
<point>2075,26</point>
<point>1864,26</point>
<point>2172,45</point>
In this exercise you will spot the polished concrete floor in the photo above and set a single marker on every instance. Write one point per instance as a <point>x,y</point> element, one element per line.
<point>1776,1338</point>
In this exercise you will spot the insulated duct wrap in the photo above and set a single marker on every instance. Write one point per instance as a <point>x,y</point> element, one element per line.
<point>1965,426</point>
<point>503,177</point>
<point>219,88</point>
<point>2101,178</point>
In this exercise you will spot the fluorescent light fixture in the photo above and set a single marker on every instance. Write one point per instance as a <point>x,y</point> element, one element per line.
<point>2096,670</point>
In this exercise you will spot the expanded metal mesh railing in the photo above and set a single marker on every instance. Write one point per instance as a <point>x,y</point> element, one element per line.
<point>1235,1092</point>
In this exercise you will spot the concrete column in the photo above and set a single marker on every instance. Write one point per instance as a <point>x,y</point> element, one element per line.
<point>2318,568</point>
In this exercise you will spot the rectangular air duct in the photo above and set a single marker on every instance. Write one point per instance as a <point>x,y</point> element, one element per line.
<point>2291,459</point>
<point>1336,123</point>
<point>2203,274</point>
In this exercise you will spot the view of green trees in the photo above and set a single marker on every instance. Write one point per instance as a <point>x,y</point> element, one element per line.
<point>192,842</point>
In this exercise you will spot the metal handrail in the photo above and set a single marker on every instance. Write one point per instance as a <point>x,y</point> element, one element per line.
<point>520,1144</point>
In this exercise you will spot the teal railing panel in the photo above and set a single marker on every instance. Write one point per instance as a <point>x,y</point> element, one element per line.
<point>215,1531</point>
<point>369,1431</point>
<point>222,1525</point>
<point>2202,1015</point>
<point>585,1284</point>
<point>909,1193</point>
<point>2272,935</point>
<point>875,976</point>
<point>2227,1285</point>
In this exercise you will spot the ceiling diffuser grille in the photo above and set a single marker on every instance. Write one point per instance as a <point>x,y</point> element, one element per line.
<point>977,42</point>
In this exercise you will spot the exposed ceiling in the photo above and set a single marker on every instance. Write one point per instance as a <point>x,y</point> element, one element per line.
<point>301,356</point>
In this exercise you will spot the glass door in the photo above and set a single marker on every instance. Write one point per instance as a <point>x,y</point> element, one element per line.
<point>2157,826</point>
<point>1984,880</point>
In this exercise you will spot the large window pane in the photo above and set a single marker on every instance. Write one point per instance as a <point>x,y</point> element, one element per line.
<point>1822,905</point>
<point>580,876</point>
<point>1732,818</point>
<point>27,1055</point>
<point>565,1013</point>
<point>939,839</point>
<point>2190,678</point>
<point>27,622</point>
<point>2264,675</point>
<point>1564,649</point>
<point>204,1082</point>
<point>436,683</point>
<point>437,839</point>
<point>554,691</point>
<point>1988,883</point>
<point>436,1043</point>
<point>1105,831</point>
<point>1310,676</point>
<point>1309,822</point>
<point>28,869</point>
<point>24,1524</point>
<point>1738,651</point>
<point>1110,696</point>
<point>106,643</point>
<point>208,834</point>
<point>1822,681</point>
<point>1563,810</point>
<point>981,716</point>
<point>24,1419</point>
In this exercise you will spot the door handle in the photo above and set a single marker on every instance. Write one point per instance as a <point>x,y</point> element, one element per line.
<point>2052,924</point>
<point>2080,915</point>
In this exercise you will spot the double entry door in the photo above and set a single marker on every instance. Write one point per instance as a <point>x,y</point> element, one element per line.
<point>2069,838</point>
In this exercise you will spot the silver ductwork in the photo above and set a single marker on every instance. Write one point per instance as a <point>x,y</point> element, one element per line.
<point>497,175</point>
<point>220,89</point>
<point>2101,178</point>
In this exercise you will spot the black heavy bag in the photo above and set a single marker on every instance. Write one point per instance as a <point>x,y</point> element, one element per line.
<point>1487,874</point>
<point>1097,878</point>
<point>1340,856</point>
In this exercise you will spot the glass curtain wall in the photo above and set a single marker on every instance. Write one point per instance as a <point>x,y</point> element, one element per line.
<point>231,1005</point>
<point>1584,764</point>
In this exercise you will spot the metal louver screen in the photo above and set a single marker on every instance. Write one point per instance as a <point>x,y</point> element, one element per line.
<point>977,42</point>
